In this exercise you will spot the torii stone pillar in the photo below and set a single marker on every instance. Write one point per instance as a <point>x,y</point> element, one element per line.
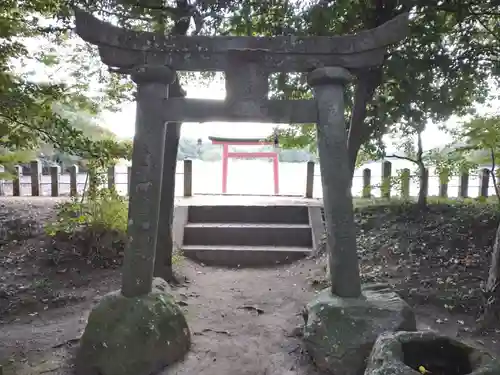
<point>328,86</point>
<point>139,330</point>
<point>343,322</point>
<point>145,182</point>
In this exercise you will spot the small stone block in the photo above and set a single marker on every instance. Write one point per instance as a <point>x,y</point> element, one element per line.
<point>329,75</point>
<point>133,336</point>
<point>408,353</point>
<point>339,333</point>
<point>153,73</point>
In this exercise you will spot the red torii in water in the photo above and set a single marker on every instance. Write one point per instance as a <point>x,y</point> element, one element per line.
<point>226,142</point>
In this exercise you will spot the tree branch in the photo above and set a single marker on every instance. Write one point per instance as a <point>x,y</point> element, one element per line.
<point>407,158</point>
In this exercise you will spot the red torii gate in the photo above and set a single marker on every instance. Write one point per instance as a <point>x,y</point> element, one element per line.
<point>226,142</point>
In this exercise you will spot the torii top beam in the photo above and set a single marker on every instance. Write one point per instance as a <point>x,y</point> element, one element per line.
<point>239,141</point>
<point>125,49</point>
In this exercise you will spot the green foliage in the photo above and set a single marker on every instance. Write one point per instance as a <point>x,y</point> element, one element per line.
<point>481,137</point>
<point>96,224</point>
<point>385,187</point>
<point>447,163</point>
<point>104,211</point>
<point>9,160</point>
<point>36,34</point>
<point>439,70</point>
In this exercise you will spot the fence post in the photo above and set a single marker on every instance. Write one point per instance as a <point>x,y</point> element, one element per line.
<point>386,180</point>
<point>463,186</point>
<point>405,183</point>
<point>443,186</point>
<point>55,172</point>
<point>367,183</point>
<point>36,172</point>
<point>485,182</point>
<point>188,178</point>
<point>129,175</point>
<point>111,177</point>
<point>16,182</point>
<point>310,179</point>
<point>73,180</point>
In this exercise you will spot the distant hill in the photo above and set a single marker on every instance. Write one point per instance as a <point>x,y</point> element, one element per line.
<point>190,149</point>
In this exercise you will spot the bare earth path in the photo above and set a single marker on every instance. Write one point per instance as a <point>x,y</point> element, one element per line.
<point>242,322</point>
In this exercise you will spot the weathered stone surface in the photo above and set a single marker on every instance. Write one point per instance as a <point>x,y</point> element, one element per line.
<point>145,178</point>
<point>339,332</point>
<point>402,353</point>
<point>272,111</point>
<point>98,32</point>
<point>328,88</point>
<point>245,76</point>
<point>124,48</point>
<point>133,336</point>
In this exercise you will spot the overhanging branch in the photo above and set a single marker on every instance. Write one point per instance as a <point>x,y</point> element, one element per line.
<point>401,158</point>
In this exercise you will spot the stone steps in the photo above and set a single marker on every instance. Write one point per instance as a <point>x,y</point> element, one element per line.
<point>249,214</point>
<point>248,234</point>
<point>244,256</point>
<point>251,236</point>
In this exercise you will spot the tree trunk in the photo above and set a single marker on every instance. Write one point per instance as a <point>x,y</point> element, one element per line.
<point>359,132</point>
<point>423,173</point>
<point>491,308</point>
<point>424,186</point>
<point>493,174</point>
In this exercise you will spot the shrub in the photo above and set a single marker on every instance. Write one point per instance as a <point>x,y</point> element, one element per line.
<point>94,228</point>
<point>106,210</point>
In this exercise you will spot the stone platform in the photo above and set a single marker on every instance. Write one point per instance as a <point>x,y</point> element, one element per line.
<point>247,200</point>
<point>247,231</point>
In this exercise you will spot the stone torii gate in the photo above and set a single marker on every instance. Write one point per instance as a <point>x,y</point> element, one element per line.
<point>152,60</point>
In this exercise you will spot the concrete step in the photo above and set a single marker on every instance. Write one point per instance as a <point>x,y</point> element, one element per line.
<point>244,256</point>
<point>249,214</point>
<point>245,234</point>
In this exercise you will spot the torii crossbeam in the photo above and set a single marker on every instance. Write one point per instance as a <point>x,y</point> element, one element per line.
<point>246,61</point>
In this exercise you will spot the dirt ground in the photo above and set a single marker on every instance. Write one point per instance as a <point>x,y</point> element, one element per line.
<point>243,321</point>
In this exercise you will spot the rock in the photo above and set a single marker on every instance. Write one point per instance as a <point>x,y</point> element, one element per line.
<point>339,332</point>
<point>402,353</point>
<point>133,336</point>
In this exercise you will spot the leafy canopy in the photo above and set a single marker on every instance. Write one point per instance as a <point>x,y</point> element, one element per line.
<point>441,69</point>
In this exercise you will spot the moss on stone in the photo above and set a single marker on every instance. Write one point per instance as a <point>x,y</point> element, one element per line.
<point>133,335</point>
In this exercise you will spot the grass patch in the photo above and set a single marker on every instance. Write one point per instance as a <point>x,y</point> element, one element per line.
<point>93,228</point>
